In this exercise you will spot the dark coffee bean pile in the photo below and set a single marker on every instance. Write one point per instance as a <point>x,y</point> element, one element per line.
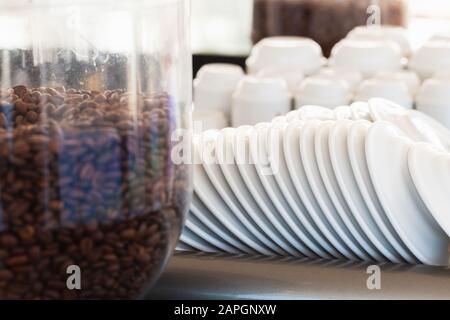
<point>325,21</point>
<point>86,179</point>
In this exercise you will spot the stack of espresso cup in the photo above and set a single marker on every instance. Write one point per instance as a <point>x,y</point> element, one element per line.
<point>285,73</point>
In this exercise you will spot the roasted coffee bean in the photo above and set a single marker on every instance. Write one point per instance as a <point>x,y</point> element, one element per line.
<point>36,96</point>
<point>32,117</point>
<point>21,107</point>
<point>17,261</point>
<point>19,120</point>
<point>100,98</point>
<point>49,109</point>
<point>20,91</point>
<point>3,120</point>
<point>6,275</point>
<point>3,254</point>
<point>82,183</point>
<point>27,233</point>
<point>87,105</point>
<point>35,253</point>
<point>60,89</point>
<point>128,234</point>
<point>7,241</point>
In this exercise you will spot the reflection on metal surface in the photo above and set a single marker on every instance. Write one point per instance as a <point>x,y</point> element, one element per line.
<point>222,276</point>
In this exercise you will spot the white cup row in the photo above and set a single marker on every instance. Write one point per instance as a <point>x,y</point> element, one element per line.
<point>256,99</point>
<point>368,63</point>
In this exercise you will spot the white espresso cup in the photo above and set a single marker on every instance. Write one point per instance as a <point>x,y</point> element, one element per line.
<point>432,57</point>
<point>408,77</point>
<point>323,91</point>
<point>396,34</point>
<point>210,119</point>
<point>442,74</point>
<point>390,89</point>
<point>292,76</point>
<point>367,57</point>
<point>302,54</point>
<point>443,35</point>
<point>259,99</point>
<point>433,99</point>
<point>352,77</point>
<point>214,86</point>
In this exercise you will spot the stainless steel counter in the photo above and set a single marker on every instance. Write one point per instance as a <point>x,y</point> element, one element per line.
<point>202,276</point>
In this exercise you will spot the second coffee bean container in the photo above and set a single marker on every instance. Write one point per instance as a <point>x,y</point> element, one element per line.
<point>95,98</point>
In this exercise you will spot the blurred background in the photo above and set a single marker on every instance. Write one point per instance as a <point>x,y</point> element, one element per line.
<point>224,31</point>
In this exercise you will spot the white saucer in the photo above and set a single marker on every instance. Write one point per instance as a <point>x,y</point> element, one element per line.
<point>322,150</point>
<point>279,119</point>
<point>414,127</point>
<point>342,113</point>
<point>218,180</point>
<point>181,246</point>
<point>356,144</point>
<point>307,152</point>
<point>430,171</point>
<point>442,131</point>
<point>198,228</point>
<point>395,189</point>
<point>360,111</point>
<point>315,113</point>
<point>344,174</point>
<point>292,116</point>
<point>284,181</point>
<point>260,155</point>
<point>297,173</point>
<point>190,238</point>
<point>231,173</point>
<point>212,200</point>
<point>203,214</point>
<point>251,179</point>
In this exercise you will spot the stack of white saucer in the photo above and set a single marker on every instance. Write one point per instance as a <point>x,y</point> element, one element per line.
<point>367,181</point>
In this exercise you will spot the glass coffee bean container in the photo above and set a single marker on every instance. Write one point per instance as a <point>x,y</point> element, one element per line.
<point>95,100</point>
<point>325,21</point>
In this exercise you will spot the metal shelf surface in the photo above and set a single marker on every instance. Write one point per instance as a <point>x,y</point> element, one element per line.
<point>205,276</point>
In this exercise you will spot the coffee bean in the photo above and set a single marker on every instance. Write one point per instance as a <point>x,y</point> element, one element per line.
<point>110,258</point>
<point>8,241</point>
<point>128,234</point>
<point>49,109</point>
<point>3,254</point>
<point>87,171</point>
<point>100,98</point>
<point>17,261</point>
<point>18,289</point>
<point>60,89</point>
<point>36,96</point>
<point>51,91</point>
<point>51,294</point>
<point>20,91</point>
<point>35,253</point>
<point>78,176</point>
<point>86,246</point>
<point>19,120</point>
<point>87,105</point>
<point>21,107</point>
<point>3,120</point>
<point>27,233</point>
<point>32,117</point>
<point>143,257</point>
<point>5,275</point>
